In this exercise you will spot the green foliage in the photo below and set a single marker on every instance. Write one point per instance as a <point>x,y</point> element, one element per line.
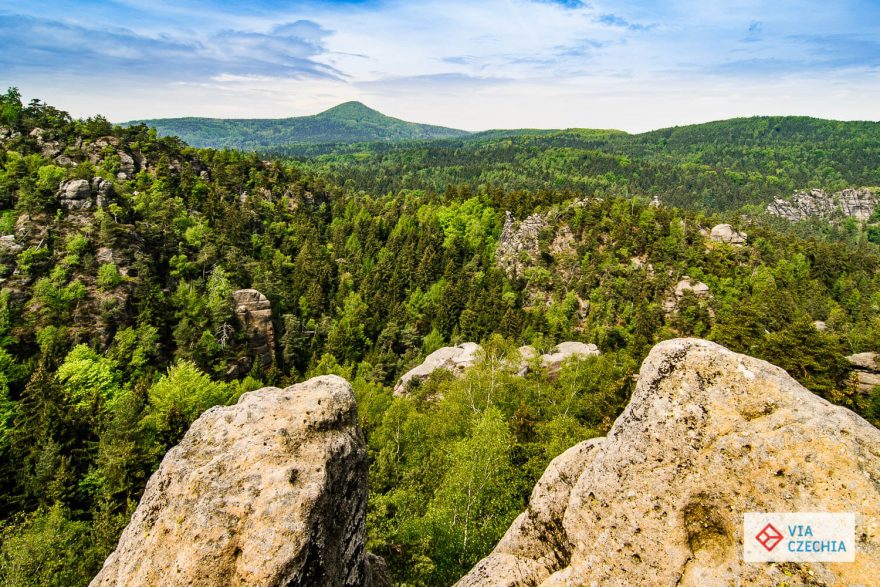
<point>47,549</point>
<point>108,277</point>
<point>88,379</point>
<point>179,396</point>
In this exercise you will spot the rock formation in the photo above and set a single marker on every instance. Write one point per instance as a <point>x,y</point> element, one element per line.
<point>687,284</point>
<point>725,233</point>
<point>269,492</point>
<point>75,194</point>
<point>452,358</point>
<point>565,350</point>
<point>865,370</point>
<point>518,244</point>
<point>708,435</point>
<point>853,203</point>
<point>253,312</point>
<point>458,358</point>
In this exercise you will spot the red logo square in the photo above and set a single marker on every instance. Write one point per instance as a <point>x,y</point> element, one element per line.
<point>769,537</point>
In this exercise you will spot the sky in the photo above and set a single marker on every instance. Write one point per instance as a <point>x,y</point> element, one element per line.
<point>634,65</point>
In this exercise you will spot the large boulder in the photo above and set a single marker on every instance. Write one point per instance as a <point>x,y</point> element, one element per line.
<point>725,233</point>
<point>269,492</point>
<point>566,350</point>
<point>708,435</point>
<point>253,313</point>
<point>451,358</point>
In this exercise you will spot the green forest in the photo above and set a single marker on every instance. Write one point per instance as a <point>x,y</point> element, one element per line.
<point>120,250</point>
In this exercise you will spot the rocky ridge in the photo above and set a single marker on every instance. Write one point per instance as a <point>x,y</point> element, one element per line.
<point>269,492</point>
<point>858,203</point>
<point>708,435</point>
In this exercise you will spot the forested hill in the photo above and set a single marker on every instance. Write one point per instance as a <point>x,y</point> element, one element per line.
<point>351,122</point>
<point>121,254</point>
<point>715,166</point>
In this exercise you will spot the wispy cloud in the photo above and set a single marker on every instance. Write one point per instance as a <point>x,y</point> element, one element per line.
<point>29,45</point>
<point>633,64</point>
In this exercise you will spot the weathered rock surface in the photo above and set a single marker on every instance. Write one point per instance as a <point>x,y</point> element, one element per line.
<point>253,312</point>
<point>269,492</point>
<point>865,370</point>
<point>451,358</point>
<point>725,233</point>
<point>565,350</point>
<point>854,203</point>
<point>687,284</point>
<point>708,435</point>
<point>518,244</point>
<point>75,194</point>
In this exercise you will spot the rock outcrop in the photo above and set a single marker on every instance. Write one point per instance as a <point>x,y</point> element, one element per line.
<point>518,245</point>
<point>269,492</point>
<point>75,194</point>
<point>458,358</point>
<point>725,233</point>
<point>451,358</point>
<point>708,435</point>
<point>565,350</point>
<point>687,284</point>
<point>253,313</point>
<point>853,203</point>
<point>865,370</point>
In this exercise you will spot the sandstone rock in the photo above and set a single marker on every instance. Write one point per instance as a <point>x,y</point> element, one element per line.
<point>866,371</point>
<point>725,233</point>
<point>104,190</point>
<point>519,243</point>
<point>75,194</point>
<point>815,203</point>
<point>269,492</point>
<point>253,312</point>
<point>565,350</point>
<point>452,358</point>
<point>527,354</point>
<point>708,435</point>
<point>687,284</point>
<point>8,247</point>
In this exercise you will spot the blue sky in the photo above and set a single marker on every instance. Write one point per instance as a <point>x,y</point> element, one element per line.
<point>633,64</point>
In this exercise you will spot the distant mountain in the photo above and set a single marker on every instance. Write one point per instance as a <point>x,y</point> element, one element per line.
<point>351,122</point>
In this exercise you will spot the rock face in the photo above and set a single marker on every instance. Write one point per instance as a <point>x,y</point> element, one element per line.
<point>854,203</point>
<point>865,370</point>
<point>253,312</point>
<point>708,435</point>
<point>269,492</point>
<point>519,243</point>
<point>75,195</point>
<point>725,233</point>
<point>452,358</point>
